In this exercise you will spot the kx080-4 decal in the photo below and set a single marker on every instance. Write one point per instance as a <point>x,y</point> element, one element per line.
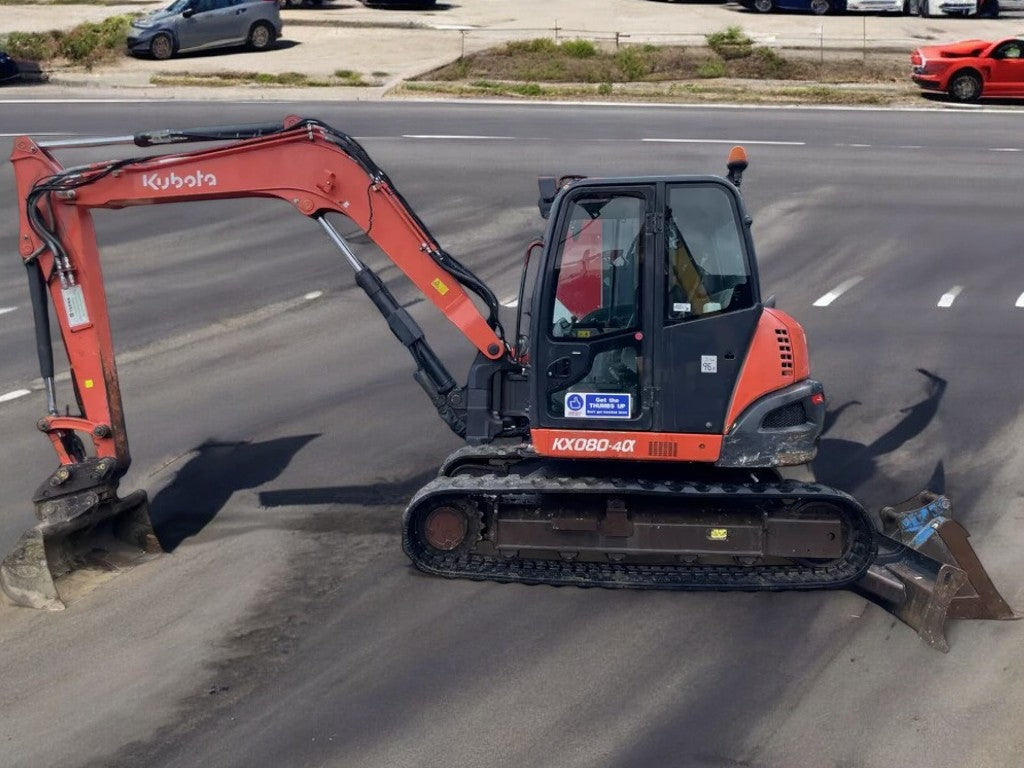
<point>593,444</point>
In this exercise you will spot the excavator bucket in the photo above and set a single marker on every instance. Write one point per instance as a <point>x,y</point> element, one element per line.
<point>85,536</point>
<point>927,571</point>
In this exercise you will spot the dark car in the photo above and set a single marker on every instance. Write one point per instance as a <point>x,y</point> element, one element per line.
<point>8,69</point>
<point>193,25</point>
<point>818,7</point>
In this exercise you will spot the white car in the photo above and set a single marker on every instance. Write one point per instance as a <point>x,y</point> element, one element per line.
<point>877,6</point>
<point>928,8</point>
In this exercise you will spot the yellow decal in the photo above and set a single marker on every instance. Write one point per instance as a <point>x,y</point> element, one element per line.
<point>582,333</point>
<point>88,384</point>
<point>439,286</point>
<point>718,534</point>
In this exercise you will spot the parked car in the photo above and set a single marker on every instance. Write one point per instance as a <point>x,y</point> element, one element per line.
<point>971,69</point>
<point>8,69</point>
<point>877,6</point>
<point>194,25</point>
<point>992,8</point>
<point>818,7</point>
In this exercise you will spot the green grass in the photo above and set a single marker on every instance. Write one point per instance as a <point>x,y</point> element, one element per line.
<point>225,78</point>
<point>711,68</point>
<point>86,44</point>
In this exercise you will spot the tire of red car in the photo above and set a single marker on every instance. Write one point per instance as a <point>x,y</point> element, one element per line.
<point>964,86</point>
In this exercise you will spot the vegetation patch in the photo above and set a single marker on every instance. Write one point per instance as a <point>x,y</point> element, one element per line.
<point>74,2</point>
<point>224,78</point>
<point>87,44</point>
<point>730,43</point>
<point>728,54</point>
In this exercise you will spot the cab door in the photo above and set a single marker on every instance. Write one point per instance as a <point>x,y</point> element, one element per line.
<point>591,347</point>
<point>708,305</point>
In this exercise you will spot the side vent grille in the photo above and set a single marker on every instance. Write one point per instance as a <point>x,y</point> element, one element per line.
<point>662,449</point>
<point>785,351</point>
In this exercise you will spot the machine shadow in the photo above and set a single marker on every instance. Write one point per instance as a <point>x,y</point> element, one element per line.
<point>849,464</point>
<point>386,493</point>
<point>203,486</point>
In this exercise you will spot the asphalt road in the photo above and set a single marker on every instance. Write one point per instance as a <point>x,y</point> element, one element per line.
<point>293,632</point>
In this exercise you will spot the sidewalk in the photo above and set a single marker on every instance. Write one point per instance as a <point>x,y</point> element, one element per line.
<point>388,45</point>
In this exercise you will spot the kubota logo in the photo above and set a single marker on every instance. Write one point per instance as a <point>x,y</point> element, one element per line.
<point>164,181</point>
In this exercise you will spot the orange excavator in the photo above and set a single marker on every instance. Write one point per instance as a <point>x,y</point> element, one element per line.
<point>628,434</point>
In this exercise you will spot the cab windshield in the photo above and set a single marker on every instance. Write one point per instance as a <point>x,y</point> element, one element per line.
<point>598,271</point>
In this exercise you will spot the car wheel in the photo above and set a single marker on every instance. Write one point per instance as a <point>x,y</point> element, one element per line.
<point>922,9</point>
<point>990,9</point>
<point>820,7</point>
<point>161,46</point>
<point>764,6</point>
<point>965,87</point>
<point>261,36</point>
<point>906,7</point>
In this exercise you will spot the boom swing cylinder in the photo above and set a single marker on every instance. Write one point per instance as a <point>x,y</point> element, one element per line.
<point>628,437</point>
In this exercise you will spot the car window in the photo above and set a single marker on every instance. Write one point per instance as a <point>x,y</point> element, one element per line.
<point>1011,50</point>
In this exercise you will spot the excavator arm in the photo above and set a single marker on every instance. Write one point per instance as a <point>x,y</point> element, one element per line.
<point>306,163</point>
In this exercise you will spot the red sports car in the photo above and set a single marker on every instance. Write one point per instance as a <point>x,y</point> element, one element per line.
<point>972,69</point>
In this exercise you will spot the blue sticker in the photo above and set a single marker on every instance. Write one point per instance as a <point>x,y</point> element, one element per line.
<point>598,405</point>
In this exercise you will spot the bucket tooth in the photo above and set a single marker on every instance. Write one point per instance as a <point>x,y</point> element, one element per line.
<point>926,570</point>
<point>85,535</point>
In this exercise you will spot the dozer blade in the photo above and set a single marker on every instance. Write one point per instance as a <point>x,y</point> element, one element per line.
<point>85,535</point>
<point>927,571</point>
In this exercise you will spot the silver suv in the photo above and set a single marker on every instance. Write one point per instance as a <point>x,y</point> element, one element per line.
<point>193,25</point>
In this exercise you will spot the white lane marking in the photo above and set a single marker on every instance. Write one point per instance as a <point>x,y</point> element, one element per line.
<point>910,146</point>
<point>729,141</point>
<point>453,136</point>
<point>14,395</point>
<point>313,295</point>
<point>851,145</point>
<point>5,310</point>
<point>950,296</point>
<point>838,291</point>
<point>1020,301</point>
<point>1003,149</point>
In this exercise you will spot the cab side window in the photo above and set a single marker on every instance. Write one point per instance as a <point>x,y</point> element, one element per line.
<point>706,262</point>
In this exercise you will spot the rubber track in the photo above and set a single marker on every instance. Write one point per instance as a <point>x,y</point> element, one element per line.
<point>792,576</point>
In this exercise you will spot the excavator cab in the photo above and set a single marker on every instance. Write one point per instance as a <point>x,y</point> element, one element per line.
<point>648,319</point>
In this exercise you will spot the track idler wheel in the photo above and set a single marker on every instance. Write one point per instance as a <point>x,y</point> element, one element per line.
<point>449,528</point>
